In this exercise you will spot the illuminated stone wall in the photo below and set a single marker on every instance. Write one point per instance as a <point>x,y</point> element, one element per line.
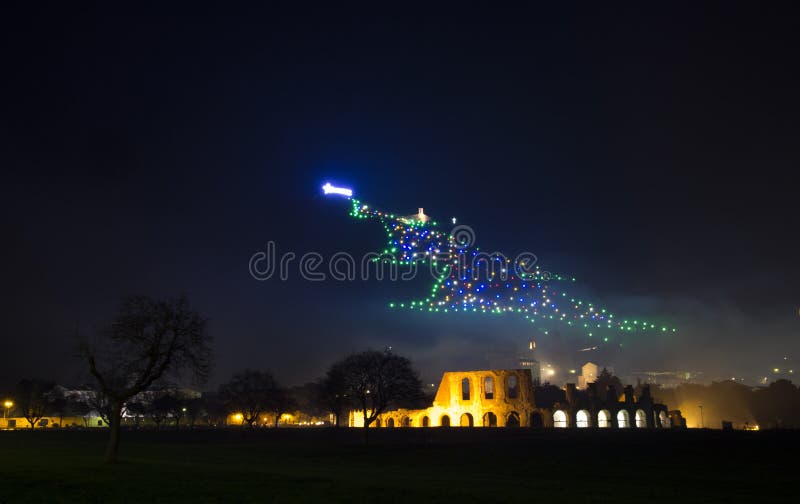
<point>505,398</point>
<point>490,398</point>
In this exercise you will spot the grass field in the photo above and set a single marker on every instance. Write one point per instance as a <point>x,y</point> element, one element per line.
<point>401,466</point>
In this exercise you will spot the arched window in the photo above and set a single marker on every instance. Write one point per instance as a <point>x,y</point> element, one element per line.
<point>489,419</point>
<point>513,419</point>
<point>641,419</point>
<point>513,387</point>
<point>665,423</point>
<point>623,419</point>
<point>465,389</point>
<point>559,419</point>
<point>466,420</point>
<point>377,422</point>
<point>536,420</point>
<point>445,422</point>
<point>582,419</point>
<point>426,422</point>
<point>488,387</point>
<point>406,422</point>
<point>603,419</point>
<point>390,422</point>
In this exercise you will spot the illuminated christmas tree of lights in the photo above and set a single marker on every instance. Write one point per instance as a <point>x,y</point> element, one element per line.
<point>506,288</point>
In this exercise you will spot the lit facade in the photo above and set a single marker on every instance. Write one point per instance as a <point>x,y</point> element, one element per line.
<point>505,398</point>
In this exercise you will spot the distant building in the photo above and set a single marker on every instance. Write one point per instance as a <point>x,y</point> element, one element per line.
<point>667,379</point>
<point>588,375</point>
<point>528,361</point>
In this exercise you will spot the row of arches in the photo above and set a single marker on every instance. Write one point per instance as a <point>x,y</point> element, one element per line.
<point>465,420</point>
<point>583,419</point>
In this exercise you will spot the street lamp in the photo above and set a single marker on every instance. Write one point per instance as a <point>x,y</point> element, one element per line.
<point>701,415</point>
<point>7,405</point>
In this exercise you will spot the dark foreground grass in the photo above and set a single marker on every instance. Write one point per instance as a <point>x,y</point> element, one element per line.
<point>401,465</point>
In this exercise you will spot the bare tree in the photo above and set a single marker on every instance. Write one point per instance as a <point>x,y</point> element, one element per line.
<point>308,400</point>
<point>607,383</point>
<point>161,408</point>
<point>375,380</point>
<point>78,406</point>
<point>333,393</point>
<point>214,410</point>
<point>195,409</point>
<point>59,404</point>
<point>176,407</point>
<point>138,410</point>
<point>99,403</point>
<point>34,399</point>
<point>250,393</point>
<point>149,339</point>
<point>281,402</point>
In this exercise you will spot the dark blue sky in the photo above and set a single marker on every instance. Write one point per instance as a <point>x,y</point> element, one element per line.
<point>652,154</point>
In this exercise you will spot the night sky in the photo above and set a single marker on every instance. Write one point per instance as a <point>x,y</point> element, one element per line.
<point>653,155</point>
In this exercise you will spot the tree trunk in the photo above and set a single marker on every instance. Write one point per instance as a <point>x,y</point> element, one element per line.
<point>277,417</point>
<point>366,428</point>
<point>113,440</point>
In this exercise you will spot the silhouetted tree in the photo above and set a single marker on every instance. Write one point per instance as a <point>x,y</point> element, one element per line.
<point>280,402</point>
<point>59,405</point>
<point>100,404</point>
<point>608,382</point>
<point>176,407</point>
<point>250,393</point>
<point>333,392</point>
<point>161,408</point>
<point>149,339</point>
<point>375,380</point>
<point>214,410</point>
<point>307,400</point>
<point>138,410</point>
<point>79,407</point>
<point>546,395</point>
<point>33,398</point>
<point>778,405</point>
<point>195,410</point>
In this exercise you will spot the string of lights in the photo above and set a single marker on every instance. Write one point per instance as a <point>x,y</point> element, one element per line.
<point>536,295</point>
